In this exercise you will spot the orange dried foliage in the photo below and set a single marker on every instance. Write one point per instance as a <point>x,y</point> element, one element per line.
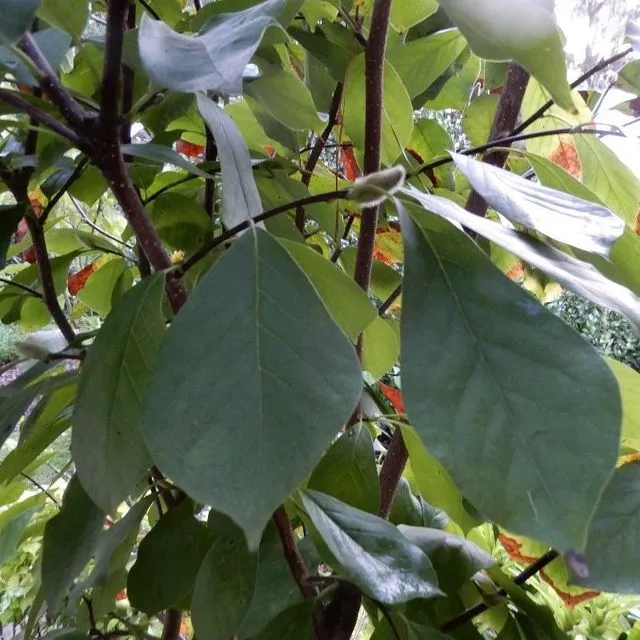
<point>270,151</point>
<point>350,164</point>
<point>189,149</point>
<point>388,246</point>
<point>515,551</point>
<point>566,156</point>
<point>121,595</point>
<point>516,272</point>
<point>76,282</point>
<point>393,395</point>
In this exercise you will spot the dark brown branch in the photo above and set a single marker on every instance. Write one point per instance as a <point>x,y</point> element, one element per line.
<point>72,112</point>
<point>391,471</point>
<point>112,69</point>
<point>41,117</point>
<point>603,64</point>
<point>171,625</point>
<point>292,553</point>
<point>520,579</point>
<point>317,148</point>
<point>504,121</point>
<point>128,79</point>
<point>230,233</point>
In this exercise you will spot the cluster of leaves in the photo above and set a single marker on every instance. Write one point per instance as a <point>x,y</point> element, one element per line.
<point>301,384</point>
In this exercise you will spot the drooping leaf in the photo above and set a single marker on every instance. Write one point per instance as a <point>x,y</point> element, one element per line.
<point>454,558</point>
<point>397,119</point>
<point>578,276</point>
<point>214,61</point>
<point>347,303</point>
<point>289,378</point>
<point>168,560</point>
<point>370,551</point>
<point>611,555</point>
<point>477,330</point>
<point>347,471</point>
<point>67,15</point>
<point>412,510</point>
<point>275,588</point>
<point>519,30</point>
<point>70,540</point>
<point>580,223</point>
<point>17,16</point>
<point>162,155</point>
<point>294,623</point>
<point>227,578</point>
<point>108,450</point>
<point>240,198</point>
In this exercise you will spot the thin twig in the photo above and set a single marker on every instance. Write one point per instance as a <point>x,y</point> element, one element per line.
<point>318,146</point>
<point>168,187</point>
<point>24,287</point>
<point>92,224</point>
<point>65,187</point>
<point>520,579</point>
<point>205,249</point>
<point>536,115</point>
<point>150,10</point>
<point>386,305</point>
<point>44,490</point>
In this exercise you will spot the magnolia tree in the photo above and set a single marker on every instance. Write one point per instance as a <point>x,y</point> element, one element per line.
<point>319,394</point>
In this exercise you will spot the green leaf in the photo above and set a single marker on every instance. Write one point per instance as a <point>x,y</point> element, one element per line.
<point>347,471</point>
<point>478,117</point>
<point>381,347</point>
<point>430,141</point>
<point>629,385</point>
<point>68,15</point>
<point>10,216</point>
<point>13,521</point>
<point>503,374</point>
<point>17,16</point>
<point>611,555</point>
<point>54,45</point>
<point>407,14</point>
<point>413,510</point>
<point>227,578</point>
<point>517,30</point>
<point>108,450</point>
<point>608,177</point>
<point>579,223</point>
<point>240,198</point>
<point>168,560</point>
<point>397,119</point>
<point>454,558</point>
<point>98,291</point>
<point>371,552</point>
<point>275,588</point>
<point>70,539</point>
<point>578,276</point>
<point>417,631</point>
<point>286,98</point>
<point>214,61</point>
<point>294,623</point>
<point>181,220</point>
<point>441,49</point>
<point>346,301</point>
<point>289,378</point>
<point>163,155</point>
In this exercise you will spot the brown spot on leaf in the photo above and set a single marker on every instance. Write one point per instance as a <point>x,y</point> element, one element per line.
<point>566,156</point>
<point>393,395</point>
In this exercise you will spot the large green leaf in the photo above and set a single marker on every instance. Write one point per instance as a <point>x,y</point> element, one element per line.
<point>240,198</point>
<point>108,450</point>
<point>347,471</point>
<point>381,347</point>
<point>518,30</point>
<point>168,560</point>
<point>69,542</point>
<point>370,551</point>
<point>441,49</point>
<point>227,577</point>
<point>507,387</point>
<point>397,119</point>
<point>17,16</point>
<point>629,385</point>
<point>608,177</point>
<point>562,216</point>
<point>294,623</point>
<point>13,521</point>
<point>286,98</point>
<point>349,305</point>
<point>407,14</point>
<point>454,558</point>
<point>254,352</point>
<point>578,276</point>
<point>67,15</point>
<point>214,61</point>
<point>99,290</point>
<point>614,535</point>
